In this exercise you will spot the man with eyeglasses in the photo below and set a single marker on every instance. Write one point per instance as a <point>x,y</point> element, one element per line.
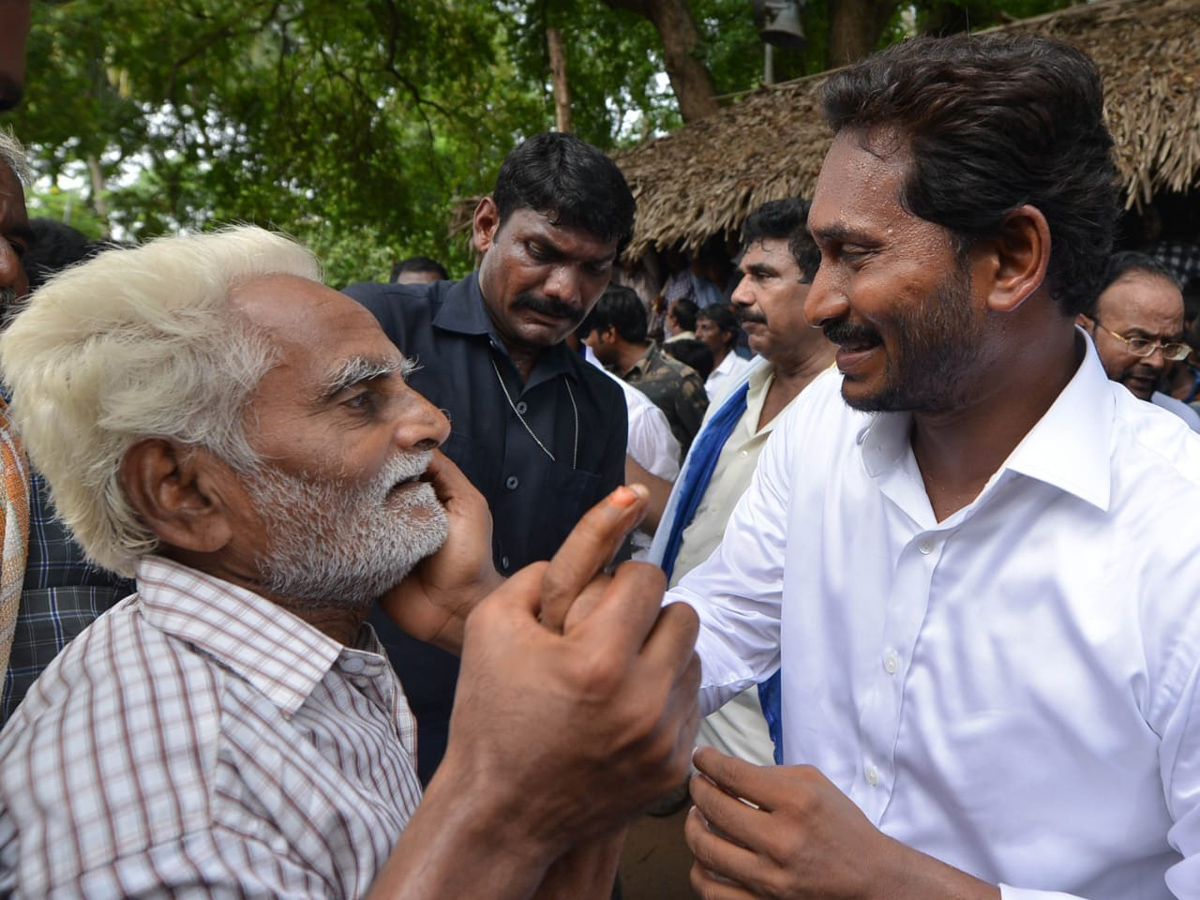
<point>1137,324</point>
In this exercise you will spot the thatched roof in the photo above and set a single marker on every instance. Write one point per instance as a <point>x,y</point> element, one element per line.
<point>706,177</point>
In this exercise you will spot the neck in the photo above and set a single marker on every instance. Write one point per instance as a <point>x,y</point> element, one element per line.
<point>719,356</point>
<point>524,358</point>
<point>628,355</point>
<point>959,450</point>
<point>791,376</point>
<point>339,623</point>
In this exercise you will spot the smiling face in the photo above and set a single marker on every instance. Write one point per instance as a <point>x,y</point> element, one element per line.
<point>538,279</point>
<point>336,515</point>
<point>892,291</point>
<point>1137,305</point>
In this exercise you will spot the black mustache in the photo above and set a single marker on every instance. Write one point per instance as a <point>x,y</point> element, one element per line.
<point>547,307</point>
<point>845,333</point>
<point>758,318</point>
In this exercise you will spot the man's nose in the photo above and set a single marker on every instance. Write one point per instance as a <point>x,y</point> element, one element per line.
<point>12,272</point>
<point>563,283</point>
<point>826,301</point>
<point>743,294</point>
<point>422,426</point>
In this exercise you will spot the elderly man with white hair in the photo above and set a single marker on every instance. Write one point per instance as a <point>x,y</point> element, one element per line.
<point>218,423</point>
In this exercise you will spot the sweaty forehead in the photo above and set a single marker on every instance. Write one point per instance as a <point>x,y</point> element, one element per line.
<point>860,177</point>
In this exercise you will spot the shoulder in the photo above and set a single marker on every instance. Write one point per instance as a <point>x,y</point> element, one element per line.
<point>403,310</point>
<point>134,716</point>
<point>1146,435</point>
<point>607,389</point>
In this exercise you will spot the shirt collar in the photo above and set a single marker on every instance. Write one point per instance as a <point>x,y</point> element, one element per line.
<point>279,654</point>
<point>1068,448</point>
<point>643,365</point>
<point>462,311</point>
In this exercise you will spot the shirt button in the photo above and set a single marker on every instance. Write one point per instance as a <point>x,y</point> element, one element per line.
<point>926,547</point>
<point>872,776</point>
<point>511,482</point>
<point>521,407</point>
<point>891,662</point>
<point>744,454</point>
<point>504,563</point>
<point>353,665</point>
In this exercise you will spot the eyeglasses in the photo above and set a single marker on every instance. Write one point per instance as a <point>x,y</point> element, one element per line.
<point>1172,350</point>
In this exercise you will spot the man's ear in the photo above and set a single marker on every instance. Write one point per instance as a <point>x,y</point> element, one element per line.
<point>1086,322</point>
<point>485,224</point>
<point>1017,260</point>
<point>182,493</point>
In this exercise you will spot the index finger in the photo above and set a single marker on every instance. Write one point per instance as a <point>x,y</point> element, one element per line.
<point>590,546</point>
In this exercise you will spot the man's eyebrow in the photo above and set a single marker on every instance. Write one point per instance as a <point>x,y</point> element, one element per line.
<point>761,269</point>
<point>837,231</point>
<point>362,368</point>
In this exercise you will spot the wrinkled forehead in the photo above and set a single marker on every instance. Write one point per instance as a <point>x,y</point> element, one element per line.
<point>316,333</point>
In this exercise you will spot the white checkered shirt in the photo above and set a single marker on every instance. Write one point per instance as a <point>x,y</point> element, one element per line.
<point>198,740</point>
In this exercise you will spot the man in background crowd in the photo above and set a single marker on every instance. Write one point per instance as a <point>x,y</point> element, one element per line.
<point>778,262</point>
<point>717,327</point>
<point>48,592</point>
<point>1137,324</point>
<point>418,270</point>
<point>616,331</point>
<point>539,432</point>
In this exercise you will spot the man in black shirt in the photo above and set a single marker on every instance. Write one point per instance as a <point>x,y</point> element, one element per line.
<point>537,430</point>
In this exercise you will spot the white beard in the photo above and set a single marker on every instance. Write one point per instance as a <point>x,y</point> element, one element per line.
<point>333,547</point>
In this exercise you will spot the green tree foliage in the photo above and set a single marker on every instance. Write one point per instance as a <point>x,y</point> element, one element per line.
<point>358,127</point>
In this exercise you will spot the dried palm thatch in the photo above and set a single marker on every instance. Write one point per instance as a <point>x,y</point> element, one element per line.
<point>705,178</point>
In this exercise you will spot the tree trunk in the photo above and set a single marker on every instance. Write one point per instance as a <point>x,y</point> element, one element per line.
<point>690,79</point>
<point>855,27</point>
<point>558,78</point>
<point>98,203</point>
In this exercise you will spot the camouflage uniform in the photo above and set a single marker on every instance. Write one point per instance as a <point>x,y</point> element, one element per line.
<point>674,388</point>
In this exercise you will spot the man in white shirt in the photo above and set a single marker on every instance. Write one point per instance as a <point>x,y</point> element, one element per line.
<point>214,419</point>
<point>972,553</point>
<point>777,263</point>
<point>717,327</point>
<point>1137,325</point>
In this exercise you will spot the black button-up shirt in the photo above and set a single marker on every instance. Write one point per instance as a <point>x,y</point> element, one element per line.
<point>575,411</point>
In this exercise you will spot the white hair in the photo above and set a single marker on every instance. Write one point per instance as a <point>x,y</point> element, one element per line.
<point>138,343</point>
<point>12,154</point>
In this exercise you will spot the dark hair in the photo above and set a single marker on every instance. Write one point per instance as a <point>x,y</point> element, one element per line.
<point>1132,261</point>
<point>55,246</point>
<point>991,123</point>
<point>419,264</point>
<point>570,181</point>
<point>692,352</point>
<point>621,308</point>
<point>785,220</point>
<point>683,311</point>
<point>725,319</point>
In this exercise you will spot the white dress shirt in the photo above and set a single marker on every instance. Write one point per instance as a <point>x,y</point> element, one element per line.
<point>1013,690</point>
<point>730,370</point>
<point>1181,409</point>
<point>650,443</point>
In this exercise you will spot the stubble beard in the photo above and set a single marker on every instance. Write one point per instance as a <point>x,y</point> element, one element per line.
<point>331,547</point>
<point>936,348</point>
